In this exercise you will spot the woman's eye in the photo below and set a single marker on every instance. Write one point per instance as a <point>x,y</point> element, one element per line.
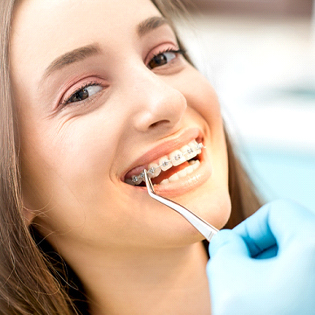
<point>163,58</point>
<point>84,93</point>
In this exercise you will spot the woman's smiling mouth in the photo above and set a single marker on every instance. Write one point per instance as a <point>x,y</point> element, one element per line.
<point>175,166</point>
<point>178,164</point>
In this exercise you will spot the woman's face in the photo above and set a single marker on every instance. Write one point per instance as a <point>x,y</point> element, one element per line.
<point>102,91</point>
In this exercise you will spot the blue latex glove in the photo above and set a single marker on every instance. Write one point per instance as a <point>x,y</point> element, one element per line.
<point>280,279</point>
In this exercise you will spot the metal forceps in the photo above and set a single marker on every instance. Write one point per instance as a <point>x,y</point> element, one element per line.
<point>206,229</point>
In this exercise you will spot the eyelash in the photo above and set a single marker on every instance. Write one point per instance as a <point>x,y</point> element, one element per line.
<point>84,86</point>
<point>168,50</point>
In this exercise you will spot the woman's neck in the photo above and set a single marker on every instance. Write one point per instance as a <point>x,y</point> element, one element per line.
<point>168,281</point>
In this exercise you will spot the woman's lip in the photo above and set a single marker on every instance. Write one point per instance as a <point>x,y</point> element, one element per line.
<point>186,184</point>
<point>163,148</point>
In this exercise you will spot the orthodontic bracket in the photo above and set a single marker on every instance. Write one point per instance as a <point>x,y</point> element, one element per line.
<point>138,179</point>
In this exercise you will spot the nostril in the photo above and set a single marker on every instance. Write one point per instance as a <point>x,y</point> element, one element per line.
<point>158,123</point>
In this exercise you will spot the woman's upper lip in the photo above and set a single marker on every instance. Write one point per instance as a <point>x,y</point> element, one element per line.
<point>164,148</point>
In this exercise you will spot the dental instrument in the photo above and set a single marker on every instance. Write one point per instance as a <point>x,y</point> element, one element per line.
<point>206,229</point>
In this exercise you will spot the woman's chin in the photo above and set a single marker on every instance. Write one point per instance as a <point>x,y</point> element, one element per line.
<point>175,230</point>
<point>215,207</point>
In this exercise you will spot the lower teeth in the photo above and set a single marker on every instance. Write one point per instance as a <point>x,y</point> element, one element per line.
<point>183,173</point>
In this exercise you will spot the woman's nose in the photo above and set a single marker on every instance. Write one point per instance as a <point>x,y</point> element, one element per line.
<point>156,103</point>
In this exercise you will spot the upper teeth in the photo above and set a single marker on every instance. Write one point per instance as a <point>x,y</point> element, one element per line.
<point>177,157</point>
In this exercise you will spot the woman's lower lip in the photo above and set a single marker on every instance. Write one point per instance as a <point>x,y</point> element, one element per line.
<point>186,184</point>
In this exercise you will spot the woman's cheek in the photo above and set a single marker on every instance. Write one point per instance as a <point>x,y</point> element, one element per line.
<point>200,95</point>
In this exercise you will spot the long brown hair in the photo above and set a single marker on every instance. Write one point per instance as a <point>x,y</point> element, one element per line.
<point>29,281</point>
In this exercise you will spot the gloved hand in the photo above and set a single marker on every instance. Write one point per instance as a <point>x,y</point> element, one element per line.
<point>265,265</point>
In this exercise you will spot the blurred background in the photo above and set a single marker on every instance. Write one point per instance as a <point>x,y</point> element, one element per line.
<point>260,57</point>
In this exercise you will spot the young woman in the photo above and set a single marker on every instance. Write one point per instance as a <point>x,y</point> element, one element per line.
<point>93,92</point>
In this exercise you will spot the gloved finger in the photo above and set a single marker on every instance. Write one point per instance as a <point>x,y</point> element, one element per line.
<point>267,253</point>
<point>275,223</point>
<point>227,243</point>
<point>256,232</point>
<point>289,220</point>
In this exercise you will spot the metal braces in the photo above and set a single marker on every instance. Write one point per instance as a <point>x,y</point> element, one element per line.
<point>138,179</point>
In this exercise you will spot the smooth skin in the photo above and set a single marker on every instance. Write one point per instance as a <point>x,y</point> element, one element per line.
<point>133,255</point>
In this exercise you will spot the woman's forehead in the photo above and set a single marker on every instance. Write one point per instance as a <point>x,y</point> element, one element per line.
<point>42,30</point>
<point>45,21</point>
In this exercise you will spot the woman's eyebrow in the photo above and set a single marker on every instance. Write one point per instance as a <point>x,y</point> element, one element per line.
<point>73,56</point>
<point>84,52</point>
<point>150,24</point>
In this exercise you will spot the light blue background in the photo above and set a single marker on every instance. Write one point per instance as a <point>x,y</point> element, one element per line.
<point>283,174</point>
